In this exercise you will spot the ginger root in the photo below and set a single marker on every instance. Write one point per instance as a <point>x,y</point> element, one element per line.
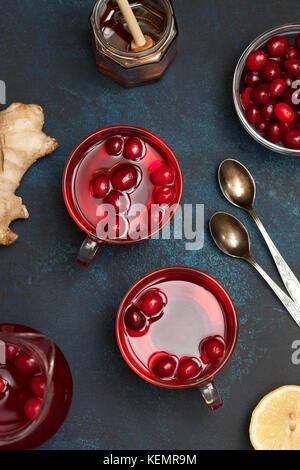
<point>22,142</point>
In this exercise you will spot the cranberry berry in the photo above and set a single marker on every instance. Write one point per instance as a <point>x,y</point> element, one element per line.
<point>11,352</point>
<point>284,112</point>
<point>253,114</point>
<point>274,132</point>
<point>114,145</point>
<point>256,60</point>
<point>133,149</point>
<point>267,110</point>
<point>32,407</point>
<point>293,66</point>
<point>165,367</point>
<point>271,70</point>
<point>292,139</point>
<point>119,201</point>
<point>261,94</point>
<point>163,175</point>
<point>262,126</point>
<point>27,364</point>
<point>245,98</point>
<point>292,53</point>
<point>134,319</point>
<point>38,385</point>
<point>277,46</point>
<point>164,195</point>
<point>125,178</point>
<point>213,349</point>
<point>277,87</point>
<point>101,186</point>
<point>152,303</point>
<point>188,368</point>
<point>252,79</point>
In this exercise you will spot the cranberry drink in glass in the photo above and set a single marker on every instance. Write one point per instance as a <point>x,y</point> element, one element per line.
<point>35,388</point>
<point>121,184</point>
<point>177,328</point>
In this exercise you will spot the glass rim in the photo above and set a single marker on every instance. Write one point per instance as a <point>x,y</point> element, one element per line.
<point>285,29</point>
<point>68,201</point>
<point>22,432</point>
<point>204,380</point>
<point>132,55</point>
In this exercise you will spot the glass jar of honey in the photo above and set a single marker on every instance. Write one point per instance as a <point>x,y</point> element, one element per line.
<point>112,40</point>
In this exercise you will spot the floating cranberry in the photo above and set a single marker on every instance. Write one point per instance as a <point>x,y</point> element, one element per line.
<point>277,45</point>
<point>253,114</point>
<point>101,186</point>
<point>284,112</point>
<point>134,319</point>
<point>164,195</point>
<point>292,139</point>
<point>262,126</point>
<point>288,78</point>
<point>3,385</point>
<point>245,98</point>
<point>114,145</point>
<point>292,66</point>
<point>252,79</point>
<point>261,94</point>
<point>32,407</point>
<point>271,70</point>
<point>11,352</point>
<point>213,349</point>
<point>38,385</point>
<point>27,364</point>
<point>267,110</point>
<point>163,175</point>
<point>188,368</point>
<point>256,60</point>
<point>119,201</point>
<point>292,53</point>
<point>274,132</point>
<point>165,367</point>
<point>297,42</point>
<point>133,149</point>
<point>277,87</point>
<point>125,178</point>
<point>152,303</point>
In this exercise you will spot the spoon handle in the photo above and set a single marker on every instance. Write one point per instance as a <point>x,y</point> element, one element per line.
<point>292,307</point>
<point>288,277</point>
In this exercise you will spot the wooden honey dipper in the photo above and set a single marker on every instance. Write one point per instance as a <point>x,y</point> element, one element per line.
<point>140,41</point>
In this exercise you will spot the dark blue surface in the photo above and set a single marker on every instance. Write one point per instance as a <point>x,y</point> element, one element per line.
<point>46,58</point>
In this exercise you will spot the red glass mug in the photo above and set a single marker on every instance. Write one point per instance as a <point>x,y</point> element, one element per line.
<point>95,176</point>
<point>177,327</point>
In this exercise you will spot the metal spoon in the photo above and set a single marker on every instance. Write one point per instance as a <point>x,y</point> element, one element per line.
<point>238,187</point>
<point>231,237</point>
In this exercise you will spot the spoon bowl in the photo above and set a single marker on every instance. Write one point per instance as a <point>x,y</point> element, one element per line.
<point>230,235</point>
<point>237,184</point>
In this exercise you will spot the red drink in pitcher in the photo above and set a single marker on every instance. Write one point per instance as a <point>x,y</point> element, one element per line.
<point>35,388</point>
<point>177,328</point>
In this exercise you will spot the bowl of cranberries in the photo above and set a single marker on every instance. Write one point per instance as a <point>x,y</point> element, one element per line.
<point>266,89</point>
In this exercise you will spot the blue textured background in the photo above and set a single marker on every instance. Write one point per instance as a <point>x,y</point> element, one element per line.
<point>46,58</point>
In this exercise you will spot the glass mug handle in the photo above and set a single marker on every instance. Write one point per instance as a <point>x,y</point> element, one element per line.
<point>211,396</point>
<point>88,251</point>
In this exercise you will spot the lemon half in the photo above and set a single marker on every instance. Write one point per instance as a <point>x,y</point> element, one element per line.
<point>275,422</point>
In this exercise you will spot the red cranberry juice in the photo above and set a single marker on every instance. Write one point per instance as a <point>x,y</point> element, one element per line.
<point>122,170</point>
<point>179,338</point>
